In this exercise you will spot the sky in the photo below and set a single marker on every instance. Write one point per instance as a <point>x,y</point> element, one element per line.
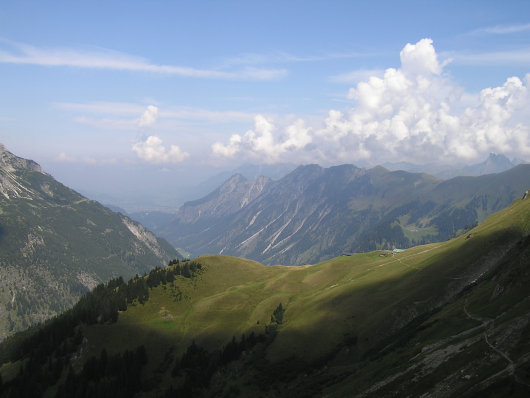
<point>132,98</point>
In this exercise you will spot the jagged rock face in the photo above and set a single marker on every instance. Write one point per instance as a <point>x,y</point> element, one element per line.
<point>230,197</point>
<point>55,245</point>
<point>316,213</point>
<point>10,162</point>
<point>9,165</point>
<point>493,164</point>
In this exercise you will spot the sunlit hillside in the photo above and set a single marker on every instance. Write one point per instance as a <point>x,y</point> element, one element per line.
<point>441,319</point>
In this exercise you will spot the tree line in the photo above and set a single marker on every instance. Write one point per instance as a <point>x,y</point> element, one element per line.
<point>46,349</point>
<point>197,365</point>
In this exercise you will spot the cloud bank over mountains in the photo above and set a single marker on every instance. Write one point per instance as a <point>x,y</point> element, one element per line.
<point>413,113</point>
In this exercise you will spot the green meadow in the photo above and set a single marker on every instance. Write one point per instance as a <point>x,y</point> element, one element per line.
<point>371,324</point>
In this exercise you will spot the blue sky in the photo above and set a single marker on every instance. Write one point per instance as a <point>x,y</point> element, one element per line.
<point>95,90</point>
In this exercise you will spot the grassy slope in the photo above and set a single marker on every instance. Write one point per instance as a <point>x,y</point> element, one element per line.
<point>447,352</point>
<point>372,312</point>
<point>369,297</point>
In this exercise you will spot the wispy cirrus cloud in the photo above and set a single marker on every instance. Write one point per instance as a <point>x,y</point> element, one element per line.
<point>357,75</point>
<point>102,107</point>
<point>21,53</point>
<point>281,57</point>
<point>520,56</point>
<point>501,29</point>
<point>120,110</point>
<point>110,115</point>
<point>188,113</point>
<point>64,158</point>
<point>108,123</point>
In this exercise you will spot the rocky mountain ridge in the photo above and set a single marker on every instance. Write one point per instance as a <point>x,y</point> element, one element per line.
<point>232,195</point>
<point>56,245</point>
<point>315,213</point>
<point>494,163</point>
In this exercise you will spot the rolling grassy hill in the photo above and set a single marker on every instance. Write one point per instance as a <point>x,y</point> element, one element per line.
<point>444,319</point>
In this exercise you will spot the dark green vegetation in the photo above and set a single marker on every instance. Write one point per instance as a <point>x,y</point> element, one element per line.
<point>445,319</point>
<point>56,245</point>
<point>51,345</point>
<point>314,214</point>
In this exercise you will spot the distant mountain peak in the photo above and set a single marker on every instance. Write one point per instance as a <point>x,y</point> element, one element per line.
<point>55,244</point>
<point>498,158</point>
<point>237,177</point>
<point>305,170</point>
<point>233,182</point>
<point>10,168</point>
<point>11,163</point>
<point>314,213</point>
<point>495,163</point>
<point>232,195</point>
<point>379,169</point>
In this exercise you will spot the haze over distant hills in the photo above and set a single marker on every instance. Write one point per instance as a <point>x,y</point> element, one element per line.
<point>495,163</point>
<point>249,171</point>
<point>167,192</point>
<point>56,245</point>
<point>136,190</point>
<point>155,218</point>
<point>316,213</point>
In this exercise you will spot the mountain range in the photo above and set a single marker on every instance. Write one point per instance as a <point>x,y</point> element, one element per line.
<point>314,213</point>
<point>495,163</point>
<point>56,245</point>
<point>445,319</point>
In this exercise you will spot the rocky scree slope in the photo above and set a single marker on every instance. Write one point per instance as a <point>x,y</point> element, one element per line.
<point>316,213</point>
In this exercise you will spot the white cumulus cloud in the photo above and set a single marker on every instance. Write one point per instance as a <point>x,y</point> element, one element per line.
<point>420,59</point>
<point>148,117</point>
<point>263,142</point>
<point>153,151</point>
<point>412,113</point>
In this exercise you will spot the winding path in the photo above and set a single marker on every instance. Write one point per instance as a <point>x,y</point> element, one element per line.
<point>489,324</point>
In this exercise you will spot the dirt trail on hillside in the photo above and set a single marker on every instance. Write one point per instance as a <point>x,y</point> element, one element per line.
<point>489,325</point>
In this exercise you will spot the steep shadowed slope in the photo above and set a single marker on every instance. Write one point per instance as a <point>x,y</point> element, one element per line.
<point>55,245</point>
<point>443,320</point>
